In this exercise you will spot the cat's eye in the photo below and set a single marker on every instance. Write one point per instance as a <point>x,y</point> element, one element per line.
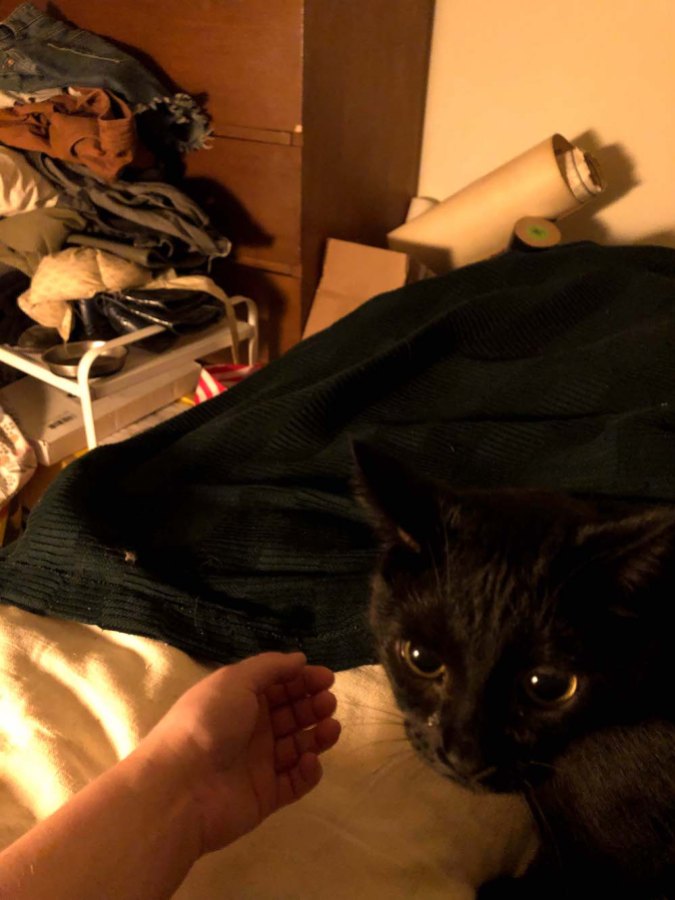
<point>548,686</point>
<point>421,660</point>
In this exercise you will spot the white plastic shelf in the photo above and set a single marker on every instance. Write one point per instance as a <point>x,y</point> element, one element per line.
<point>140,364</point>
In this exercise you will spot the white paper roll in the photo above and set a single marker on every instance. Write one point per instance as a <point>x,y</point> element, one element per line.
<point>418,206</point>
<point>549,180</point>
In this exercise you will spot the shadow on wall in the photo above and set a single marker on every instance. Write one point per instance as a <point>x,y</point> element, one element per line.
<point>660,238</point>
<point>618,169</point>
<point>226,211</point>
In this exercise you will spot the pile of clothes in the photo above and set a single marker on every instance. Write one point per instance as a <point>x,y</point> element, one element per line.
<point>87,136</point>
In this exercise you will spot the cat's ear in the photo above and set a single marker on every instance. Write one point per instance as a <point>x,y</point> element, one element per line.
<point>636,552</point>
<point>403,506</point>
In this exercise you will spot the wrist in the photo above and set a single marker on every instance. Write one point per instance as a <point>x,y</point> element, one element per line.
<point>161,776</point>
<point>132,832</point>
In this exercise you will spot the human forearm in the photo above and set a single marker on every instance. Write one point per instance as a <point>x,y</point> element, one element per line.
<point>130,834</point>
<point>237,746</point>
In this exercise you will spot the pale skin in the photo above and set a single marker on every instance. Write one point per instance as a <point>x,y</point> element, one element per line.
<point>236,747</point>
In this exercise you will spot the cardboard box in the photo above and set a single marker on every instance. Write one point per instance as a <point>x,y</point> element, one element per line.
<point>352,274</point>
<point>52,420</point>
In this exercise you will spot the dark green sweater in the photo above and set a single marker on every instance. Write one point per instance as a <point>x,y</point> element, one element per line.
<point>232,529</point>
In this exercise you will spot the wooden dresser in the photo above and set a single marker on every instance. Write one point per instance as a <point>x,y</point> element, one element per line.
<point>317,109</point>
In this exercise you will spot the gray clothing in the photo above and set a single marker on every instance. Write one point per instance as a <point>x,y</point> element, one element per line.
<point>142,256</point>
<point>150,215</point>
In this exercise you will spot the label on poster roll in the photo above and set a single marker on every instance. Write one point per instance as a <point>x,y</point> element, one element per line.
<point>535,233</point>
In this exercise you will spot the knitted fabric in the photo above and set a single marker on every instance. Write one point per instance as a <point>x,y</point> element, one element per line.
<point>232,528</point>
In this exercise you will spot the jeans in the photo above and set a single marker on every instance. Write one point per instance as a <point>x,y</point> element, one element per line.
<point>37,51</point>
<point>151,215</point>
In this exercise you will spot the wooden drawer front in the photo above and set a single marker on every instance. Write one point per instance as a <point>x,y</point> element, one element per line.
<point>245,55</point>
<point>251,191</point>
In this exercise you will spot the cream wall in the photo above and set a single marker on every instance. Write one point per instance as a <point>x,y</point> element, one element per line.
<point>507,73</point>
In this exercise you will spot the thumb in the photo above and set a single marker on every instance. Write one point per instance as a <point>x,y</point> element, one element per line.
<point>266,669</point>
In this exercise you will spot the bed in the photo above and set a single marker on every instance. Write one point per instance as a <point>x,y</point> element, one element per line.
<point>74,699</point>
<point>514,348</point>
<point>233,528</point>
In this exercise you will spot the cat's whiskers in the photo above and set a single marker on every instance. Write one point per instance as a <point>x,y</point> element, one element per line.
<point>419,770</point>
<point>399,717</point>
<point>479,777</point>
<point>383,723</point>
<point>417,597</point>
<point>542,765</point>
<point>393,740</point>
<point>446,548</point>
<point>540,818</point>
<point>389,723</point>
<point>395,760</point>
<point>437,574</point>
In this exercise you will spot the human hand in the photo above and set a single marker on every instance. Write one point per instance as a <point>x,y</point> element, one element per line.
<point>245,741</point>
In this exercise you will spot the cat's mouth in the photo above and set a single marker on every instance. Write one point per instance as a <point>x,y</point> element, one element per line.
<point>489,779</point>
<point>478,782</point>
<point>479,779</point>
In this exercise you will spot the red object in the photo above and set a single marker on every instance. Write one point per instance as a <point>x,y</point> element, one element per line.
<point>216,379</point>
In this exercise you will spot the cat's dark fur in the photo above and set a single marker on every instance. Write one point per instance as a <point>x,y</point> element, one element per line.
<point>497,585</point>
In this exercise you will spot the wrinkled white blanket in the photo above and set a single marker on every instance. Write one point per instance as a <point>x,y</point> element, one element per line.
<point>22,188</point>
<point>74,699</point>
<point>17,459</point>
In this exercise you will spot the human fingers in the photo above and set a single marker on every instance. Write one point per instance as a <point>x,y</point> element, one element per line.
<point>290,749</point>
<point>311,680</point>
<point>299,780</point>
<point>263,671</point>
<point>303,713</point>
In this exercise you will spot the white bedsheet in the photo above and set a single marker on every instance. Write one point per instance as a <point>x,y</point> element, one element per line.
<point>74,699</point>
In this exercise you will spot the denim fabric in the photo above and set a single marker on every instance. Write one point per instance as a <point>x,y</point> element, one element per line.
<point>142,256</point>
<point>152,215</point>
<point>37,51</point>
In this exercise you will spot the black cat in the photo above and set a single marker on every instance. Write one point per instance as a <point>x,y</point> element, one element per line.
<point>529,638</point>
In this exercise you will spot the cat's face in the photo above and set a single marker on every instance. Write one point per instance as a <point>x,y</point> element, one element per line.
<point>511,623</point>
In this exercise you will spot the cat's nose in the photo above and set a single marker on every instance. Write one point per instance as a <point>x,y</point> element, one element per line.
<point>464,755</point>
<point>468,771</point>
<point>460,745</point>
<point>466,766</point>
